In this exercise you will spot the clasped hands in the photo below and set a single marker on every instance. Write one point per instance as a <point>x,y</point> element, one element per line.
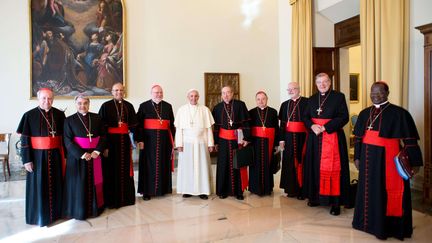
<point>318,129</point>
<point>88,156</point>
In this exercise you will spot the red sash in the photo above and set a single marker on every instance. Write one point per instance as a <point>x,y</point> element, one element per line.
<point>227,134</point>
<point>394,183</point>
<point>330,164</point>
<point>50,143</point>
<point>267,132</point>
<point>295,127</point>
<point>232,135</point>
<point>156,124</point>
<point>97,167</point>
<point>122,129</point>
<point>298,127</point>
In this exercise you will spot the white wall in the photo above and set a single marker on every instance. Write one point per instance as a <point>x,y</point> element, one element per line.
<point>355,67</point>
<point>420,15</point>
<point>169,42</point>
<point>285,15</point>
<point>323,35</point>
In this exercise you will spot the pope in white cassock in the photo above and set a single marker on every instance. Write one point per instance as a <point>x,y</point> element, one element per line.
<point>194,141</point>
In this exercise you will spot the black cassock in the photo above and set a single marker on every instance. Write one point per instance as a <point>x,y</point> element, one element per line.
<point>45,184</point>
<point>294,144</point>
<point>119,185</point>
<point>228,179</point>
<point>155,160</point>
<point>333,106</point>
<point>260,172</point>
<point>80,199</point>
<point>370,208</point>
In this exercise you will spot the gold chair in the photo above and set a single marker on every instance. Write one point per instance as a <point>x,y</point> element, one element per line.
<point>4,152</point>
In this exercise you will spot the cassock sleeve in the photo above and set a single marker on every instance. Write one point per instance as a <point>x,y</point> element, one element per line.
<point>216,126</point>
<point>358,134</point>
<point>179,138</point>
<point>245,123</point>
<point>171,118</point>
<point>210,140</point>
<point>281,133</point>
<point>414,153</point>
<point>102,137</point>
<point>275,124</point>
<point>68,136</point>
<point>342,117</point>
<point>103,117</point>
<point>132,119</point>
<point>139,129</point>
<point>24,130</point>
<point>307,119</point>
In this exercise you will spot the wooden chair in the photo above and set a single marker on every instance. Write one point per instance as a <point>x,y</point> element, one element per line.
<point>4,152</point>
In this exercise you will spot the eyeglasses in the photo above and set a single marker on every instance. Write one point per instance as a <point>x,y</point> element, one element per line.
<point>292,89</point>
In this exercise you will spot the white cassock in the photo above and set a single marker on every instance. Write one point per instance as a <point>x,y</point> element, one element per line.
<point>193,133</point>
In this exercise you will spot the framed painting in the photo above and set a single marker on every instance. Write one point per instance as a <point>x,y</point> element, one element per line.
<point>354,87</point>
<point>77,46</point>
<point>214,82</point>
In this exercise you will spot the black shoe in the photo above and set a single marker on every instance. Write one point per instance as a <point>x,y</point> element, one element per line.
<point>223,196</point>
<point>240,197</point>
<point>312,204</point>
<point>146,197</point>
<point>335,210</point>
<point>187,195</point>
<point>203,197</point>
<point>300,197</point>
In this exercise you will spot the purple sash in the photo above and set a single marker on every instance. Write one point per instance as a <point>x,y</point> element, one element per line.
<point>97,166</point>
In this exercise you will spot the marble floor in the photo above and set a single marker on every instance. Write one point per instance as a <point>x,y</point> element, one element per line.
<point>175,219</point>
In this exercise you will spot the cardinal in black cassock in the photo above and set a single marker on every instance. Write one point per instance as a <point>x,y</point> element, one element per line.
<point>230,115</point>
<point>264,129</point>
<point>84,136</point>
<point>120,120</point>
<point>383,202</point>
<point>293,135</point>
<point>156,124</point>
<point>41,132</point>
<point>326,169</point>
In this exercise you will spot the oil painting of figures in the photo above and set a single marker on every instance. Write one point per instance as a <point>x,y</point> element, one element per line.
<point>76,46</point>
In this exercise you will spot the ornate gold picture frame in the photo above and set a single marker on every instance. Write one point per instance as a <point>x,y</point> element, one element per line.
<point>354,87</point>
<point>77,46</point>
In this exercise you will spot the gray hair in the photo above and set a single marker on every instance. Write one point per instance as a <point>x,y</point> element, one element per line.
<point>81,96</point>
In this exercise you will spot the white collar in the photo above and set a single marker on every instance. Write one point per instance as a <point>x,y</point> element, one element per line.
<point>378,105</point>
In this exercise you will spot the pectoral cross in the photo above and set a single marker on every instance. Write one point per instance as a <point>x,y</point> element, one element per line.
<point>369,127</point>
<point>230,122</point>
<point>53,133</point>
<point>120,123</point>
<point>90,136</point>
<point>319,110</point>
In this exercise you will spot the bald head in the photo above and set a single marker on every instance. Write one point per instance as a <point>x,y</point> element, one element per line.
<point>45,99</point>
<point>118,91</point>
<point>156,93</point>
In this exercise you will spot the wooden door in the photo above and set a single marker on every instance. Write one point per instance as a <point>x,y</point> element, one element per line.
<point>326,60</point>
